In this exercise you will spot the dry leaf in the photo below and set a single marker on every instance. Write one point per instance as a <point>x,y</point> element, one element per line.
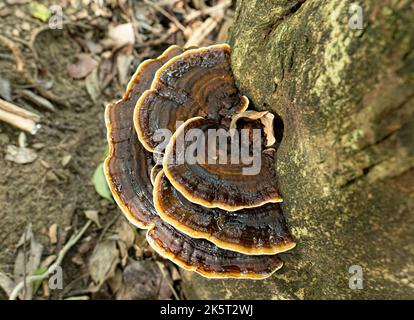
<point>126,233</point>
<point>48,261</point>
<point>93,47</point>
<point>103,261</point>
<point>107,69</point>
<point>123,252</point>
<point>122,34</point>
<point>82,67</point>
<point>166,284</point>
<point>142,281</point>
<point>115,282</point>
<point>53,233</point>
<point>5,89</point>
<point>84,247</point>
<point>45,288</point>
<point>66,159</point>
<point>27,259</point>
<point>20,155</point>
<point>92,85</point>
<point>175,274</point>
<point>6,284</point>
<point>123,62</point>
<point>93,215</point>
<point>22,140</point>
<point>65,222</point>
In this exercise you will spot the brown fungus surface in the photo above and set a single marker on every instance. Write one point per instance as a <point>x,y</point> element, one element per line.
<point>260,230</point>
<point>210,182</point>
<point>206,258</point>
<point>126,167</point>
<point>154,172</point>
<point>198,82</point>
<point>128,170</point>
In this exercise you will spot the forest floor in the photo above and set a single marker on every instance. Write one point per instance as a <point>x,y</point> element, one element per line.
<point>67,76</point>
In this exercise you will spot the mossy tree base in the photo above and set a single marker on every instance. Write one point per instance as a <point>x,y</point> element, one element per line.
<point>346,162</point>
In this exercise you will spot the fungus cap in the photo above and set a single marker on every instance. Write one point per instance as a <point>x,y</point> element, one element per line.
<point>260,230</point>
<point>198,82</point>
<point>206,258</point>
<point>228,186</point>
<point>127,163</point>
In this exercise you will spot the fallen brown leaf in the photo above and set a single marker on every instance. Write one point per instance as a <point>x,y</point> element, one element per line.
<point>121,34</point>
<point>142,281</point>
<point>53,233</point>
<point>82,67</point>
<point>29,253</point>
<point>93,215</point>
<point>20,155</point>
<point>6,283</point>
<point>103,261</point>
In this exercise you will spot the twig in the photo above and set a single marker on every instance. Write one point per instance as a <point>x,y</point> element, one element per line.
<point>16,52</point>
<point>108,225</point>
<point>201,32</point>
<point>12,108</point>
<point>36,32</point>
<point>168,282</point>
<point>72,241</point>
<point>158,41</point>
<point>37,100</point>
<point>169,16</point>
<point>19,117</point>
<point>218,9</point>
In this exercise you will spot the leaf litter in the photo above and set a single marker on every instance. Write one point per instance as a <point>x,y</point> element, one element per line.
<point>75,72</point>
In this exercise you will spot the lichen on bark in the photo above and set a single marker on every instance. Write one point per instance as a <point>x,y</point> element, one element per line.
<point>345,164</point>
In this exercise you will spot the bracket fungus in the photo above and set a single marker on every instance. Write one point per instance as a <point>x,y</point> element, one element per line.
<point>217,180</point>
<point>260,230</point>
<point>198,82</point>
<point>127,164</point>
<point>240,230</point>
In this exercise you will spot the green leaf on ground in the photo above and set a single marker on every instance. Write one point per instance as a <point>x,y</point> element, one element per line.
<point>99,181</point>
<point>36,284</point>
<point>39,11</point>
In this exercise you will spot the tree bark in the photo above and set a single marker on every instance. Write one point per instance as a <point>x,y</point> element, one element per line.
<point>345,164</point>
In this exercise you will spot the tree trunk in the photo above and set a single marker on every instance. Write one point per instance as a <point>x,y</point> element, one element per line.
<point>345,164</point>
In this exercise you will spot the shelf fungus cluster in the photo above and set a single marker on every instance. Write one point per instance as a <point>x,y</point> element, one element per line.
<point>211,214</point>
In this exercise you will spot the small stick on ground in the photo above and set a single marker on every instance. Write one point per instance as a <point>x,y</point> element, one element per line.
<point>38,100</point>
<point>160,267</point>
<point>12,108</point>
<point>169,16</point>
<point>202,32</point>
<point>29,280</point>
<point>19,117</point>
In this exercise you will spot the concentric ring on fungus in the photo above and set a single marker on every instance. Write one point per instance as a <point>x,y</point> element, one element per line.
<point>124,145</point>
<point>218,185</point>
<point>260,230</point>
<point>198,82</point>
<point>207,259</point>
<point>128,175</point>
